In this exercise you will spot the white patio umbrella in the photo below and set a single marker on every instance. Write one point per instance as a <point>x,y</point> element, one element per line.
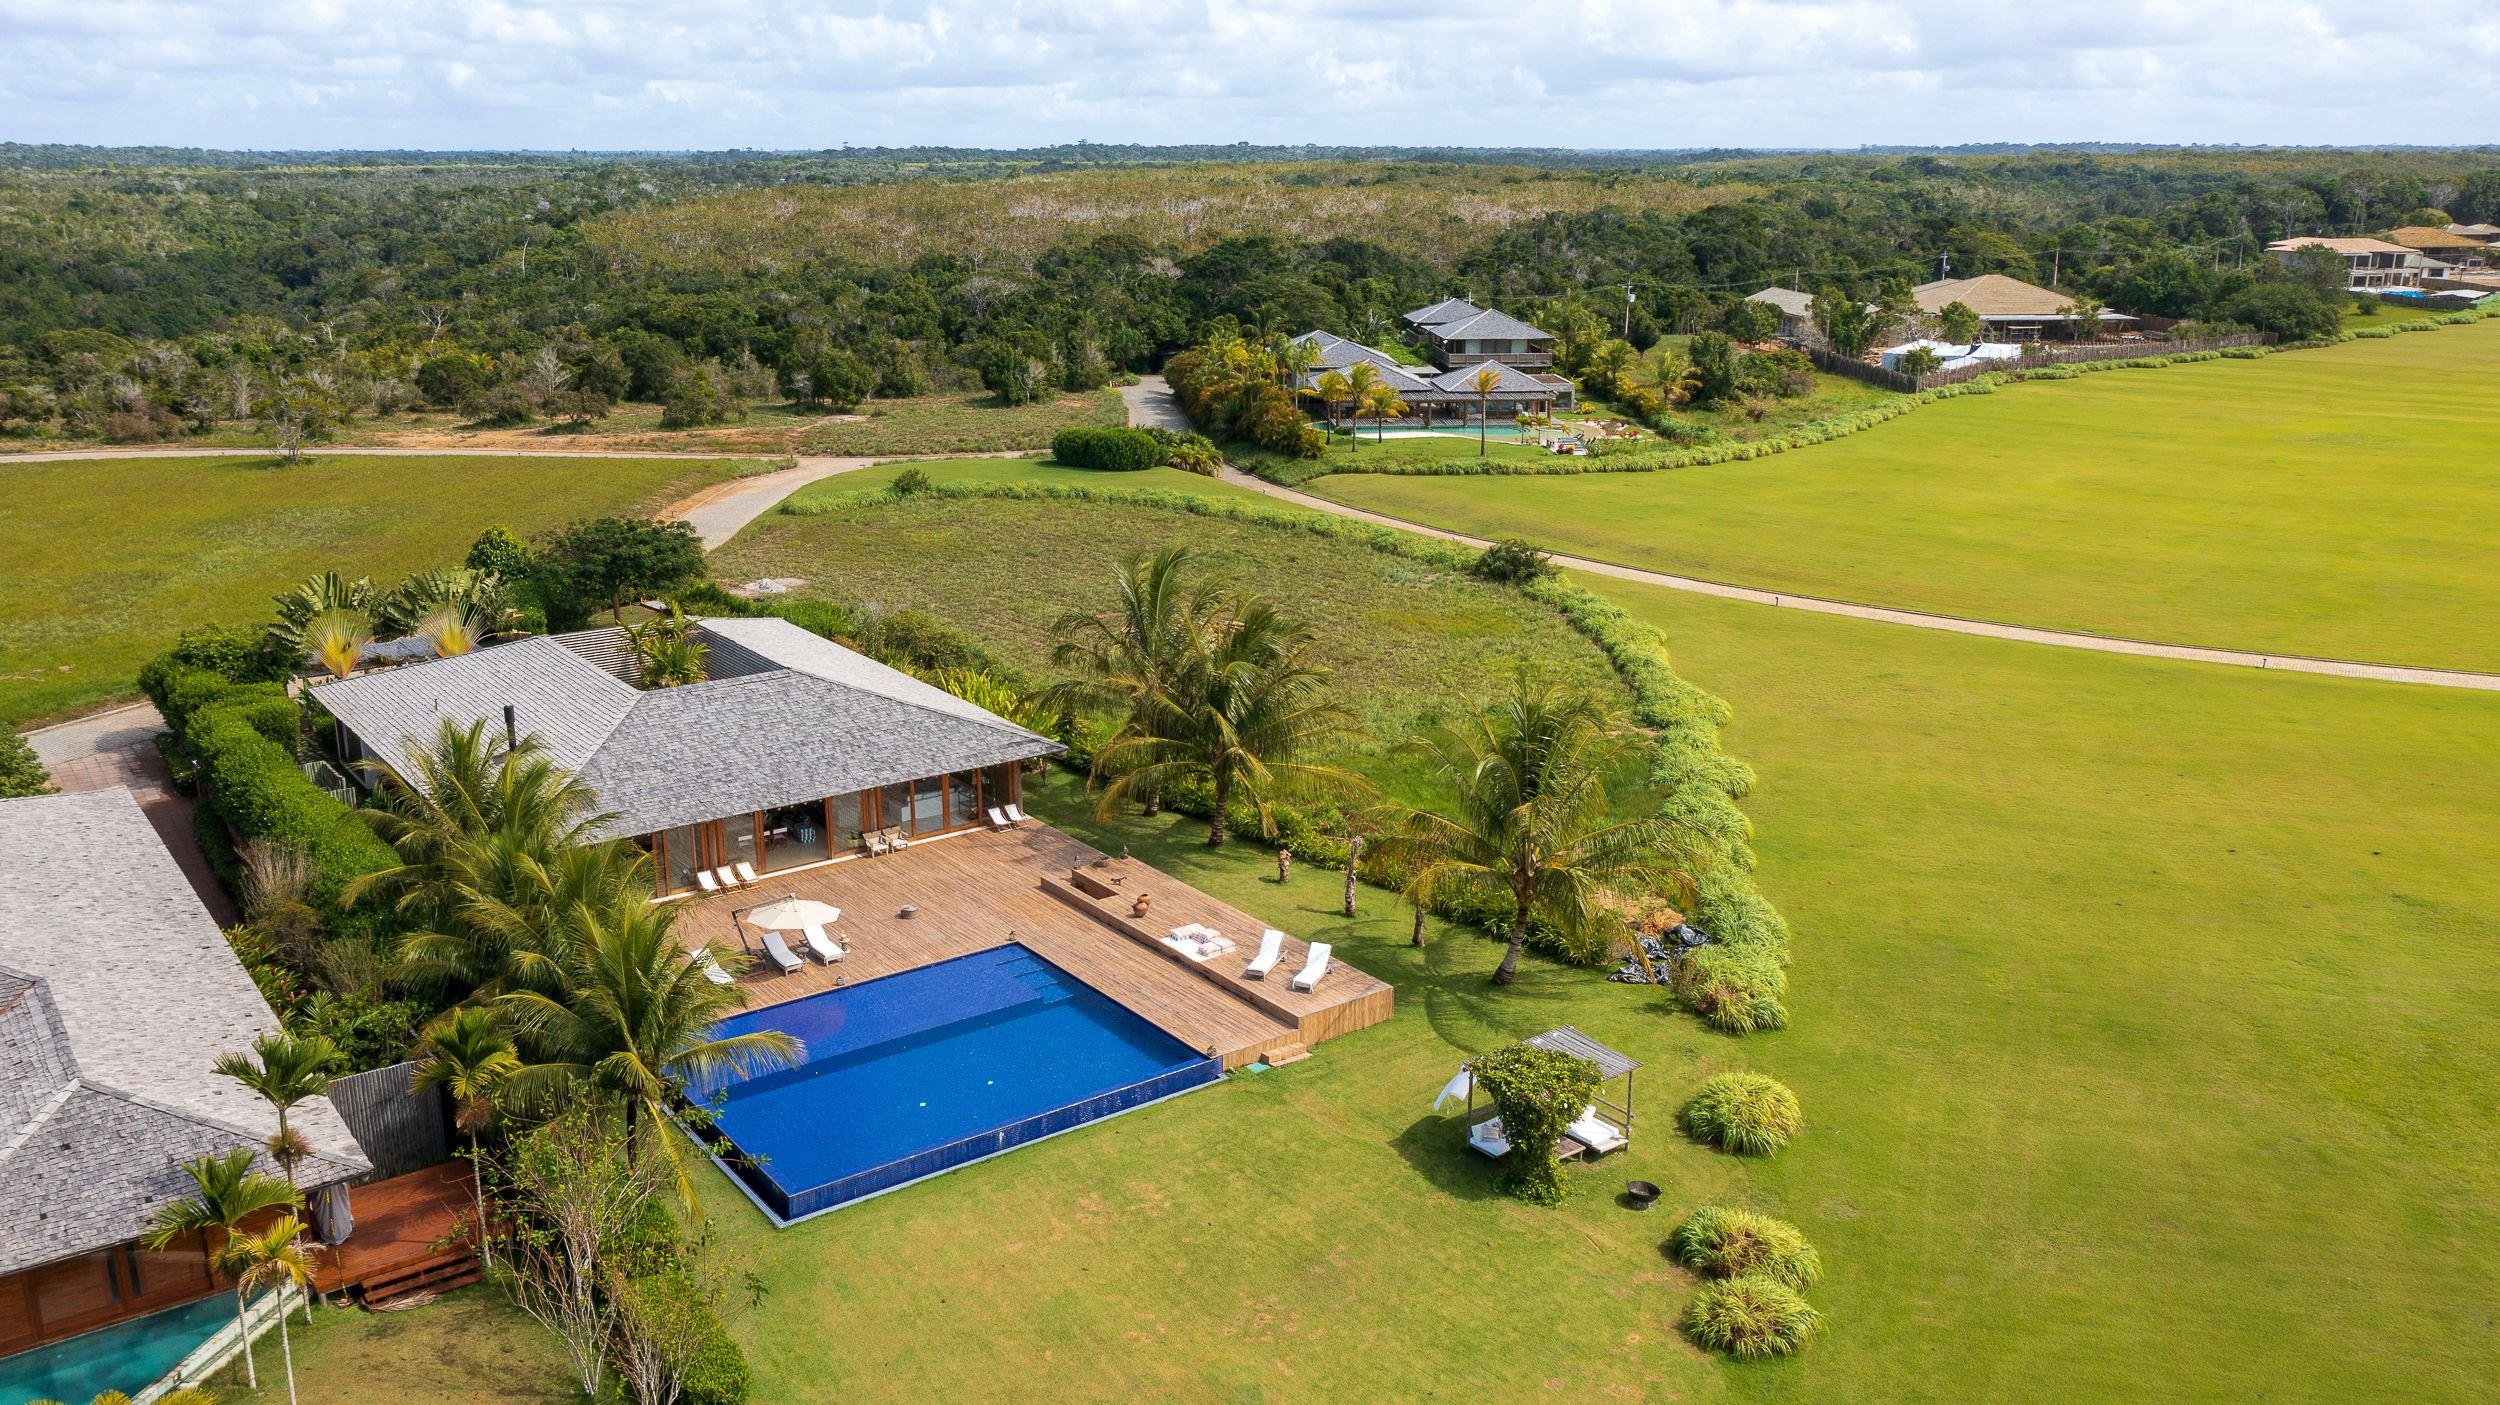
<point>790,914</point>
<point>1454,1091</point>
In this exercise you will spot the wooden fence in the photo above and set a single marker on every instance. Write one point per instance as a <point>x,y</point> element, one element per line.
<point>399,1130</point>
<point>2035,356</point>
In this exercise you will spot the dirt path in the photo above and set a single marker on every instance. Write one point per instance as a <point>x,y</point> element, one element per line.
<point>2292,663</point>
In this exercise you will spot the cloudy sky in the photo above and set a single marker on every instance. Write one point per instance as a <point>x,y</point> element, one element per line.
<point>611,74</point>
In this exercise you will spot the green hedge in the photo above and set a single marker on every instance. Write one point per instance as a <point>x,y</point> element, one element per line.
<point>241,736</point>
<point>1697,780</point>
<point>1110,448</point>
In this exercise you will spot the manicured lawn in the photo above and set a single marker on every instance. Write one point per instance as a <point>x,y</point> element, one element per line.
<point>108,558</point>
<point>2343,502</point>
<point>1405,640</point>
<point>471,1346</point>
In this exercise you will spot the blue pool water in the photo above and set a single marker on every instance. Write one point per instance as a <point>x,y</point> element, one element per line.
<point>916,1073</point>
<point>127,1356</point>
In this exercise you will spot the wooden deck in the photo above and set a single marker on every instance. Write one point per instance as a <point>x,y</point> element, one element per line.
<point>980,889</point>
<point>412,1231</point>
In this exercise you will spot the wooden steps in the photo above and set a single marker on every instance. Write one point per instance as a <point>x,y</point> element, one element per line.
<point>439,1273</point>
<point>1283,1054</point>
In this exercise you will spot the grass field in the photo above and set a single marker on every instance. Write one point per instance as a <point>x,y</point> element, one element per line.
<point>108,558</point>
<point>2342,502</point>
<point>471,1348</point>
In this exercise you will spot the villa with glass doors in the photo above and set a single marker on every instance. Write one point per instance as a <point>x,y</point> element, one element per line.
<point>792,751</point>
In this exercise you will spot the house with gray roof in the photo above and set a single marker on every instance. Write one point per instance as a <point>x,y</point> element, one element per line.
<point>1459,333</point>
<point>1434,397</point>
<point>791,752</point>
<point>117,994</point>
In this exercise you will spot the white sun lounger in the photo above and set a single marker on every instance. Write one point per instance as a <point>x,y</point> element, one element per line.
<point>1596,1133</point>
<point>711,968</point>
<point>998,818</point>
<point>1487,1137</point>
<point>703,879</point>
<point>1271,950</point>
<point>822,945</point>
<point>1014,815</point>
<point>747,873</point>
<point>1308,977</point>
<point>727,877</point>
<point>779,951</point>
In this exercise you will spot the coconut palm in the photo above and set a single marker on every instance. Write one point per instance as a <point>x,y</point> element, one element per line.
<point>469,1057</point>
<point>666,650</point>
<point>1671,375</point>
<point>1243,711</point>
<point>1131,657</point>
<point>1334,390</point>
<point>335,641</point>
<point>467,784</point>
<point>275,1257</point>
<point>1486,379</point>
<point>1529,817</point>
<point>285,1070</point>
<point>636,1026</point>
<point>1382,402</point>
<point>226,1191</point>
<point>504,906</point>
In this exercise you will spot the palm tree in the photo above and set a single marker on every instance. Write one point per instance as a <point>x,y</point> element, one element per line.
<point>1672,376</point>
<point>313,597</point>
<point>479,596</point>
<point>469,1057</point>
<point>1362,383</point>
<point>469,784</point>
<point>1132,657</point>
<point>226,1192</point>
<point>335,641</point>
<point>1486,380</point>
<point>453,629</point>
<point>636,1025</point>
<point>1333,389</point>
<point>284,1070</point>
<point>275,1256</point>
<point>1530,817</point>
<point>1245,708</point>
<point>506,906</point>
<point>1382,403</point>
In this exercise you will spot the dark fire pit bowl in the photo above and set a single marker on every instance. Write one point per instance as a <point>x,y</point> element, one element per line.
<point>1640,1194</point>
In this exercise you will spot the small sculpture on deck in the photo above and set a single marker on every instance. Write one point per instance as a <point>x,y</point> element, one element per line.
<point>1138,908</point>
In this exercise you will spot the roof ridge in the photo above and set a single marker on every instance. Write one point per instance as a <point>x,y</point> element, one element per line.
<point>52,1105</point>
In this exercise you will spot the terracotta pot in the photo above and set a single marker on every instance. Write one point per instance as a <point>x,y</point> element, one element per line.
<point>1138,908</point>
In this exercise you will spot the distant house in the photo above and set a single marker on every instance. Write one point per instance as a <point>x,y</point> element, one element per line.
<point>2368,263</point>
<point>117,993</point>
<point>1796,310</point>
<point>791,753</point>
<point>1951,356</point>
<point>1438,398</point>
<point>1459,333</point>
<point>2479,233</point>
<point>2450,252</point>
<point>2011,310</point>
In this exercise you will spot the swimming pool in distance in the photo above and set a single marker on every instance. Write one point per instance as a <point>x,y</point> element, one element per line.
<point>912,1074</point>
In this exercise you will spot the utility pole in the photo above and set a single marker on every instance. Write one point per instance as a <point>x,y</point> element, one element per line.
<point>1628,295</point>
<point>1944,266</point>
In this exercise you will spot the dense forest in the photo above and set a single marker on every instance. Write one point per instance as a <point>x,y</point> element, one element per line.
<point>149,294</point>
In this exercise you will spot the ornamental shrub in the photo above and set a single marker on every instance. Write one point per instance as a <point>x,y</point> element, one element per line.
<point>1538,1092</point>
<point>1109,448</point>
<point>1719,1242</point>
<point>1512,562</point>
<point>1751,1318</point>
<point>21,771</point>
<point>1731,989</point>
<point>1750,1114</point>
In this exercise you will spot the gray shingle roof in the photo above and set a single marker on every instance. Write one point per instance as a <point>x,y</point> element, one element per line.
<point>1787,300</point>
<point>1487,323</point>
<point>122,993</point>
<point>1336,352</point>
<point>1446,310</point>
<point>791,717</point>
<point>1514,380</point>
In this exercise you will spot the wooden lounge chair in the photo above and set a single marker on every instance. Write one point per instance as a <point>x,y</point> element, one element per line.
<point>1308,977</point>
<point>780,953</point>
<point>895,837</point>
<point>875,842</point>
<point>1596,1133</point>
<point>747,873</point>
<point>1271,950</point>
<point>703,879</point>
<point>711,968</point>
<point>824,947</point>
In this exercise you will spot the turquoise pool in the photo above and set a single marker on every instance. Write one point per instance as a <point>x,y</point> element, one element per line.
<point>127,1356</point>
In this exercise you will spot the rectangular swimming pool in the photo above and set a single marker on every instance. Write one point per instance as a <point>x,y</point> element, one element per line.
<point>913,1074</point>
<point>127,1356</point>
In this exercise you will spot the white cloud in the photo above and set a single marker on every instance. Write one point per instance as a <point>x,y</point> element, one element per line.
<point>642,74</point>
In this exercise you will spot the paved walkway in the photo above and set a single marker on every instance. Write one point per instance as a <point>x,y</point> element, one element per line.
<point>724,509</point>
<point>1150,405</point>
<point>2292,663</point>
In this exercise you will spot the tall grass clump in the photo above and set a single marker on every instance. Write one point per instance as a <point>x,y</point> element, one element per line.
<point>1751,1319</point>
<point>1719,1242</point>
<point>1750,1114</point>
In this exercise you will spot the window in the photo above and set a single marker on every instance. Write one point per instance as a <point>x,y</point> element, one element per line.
<point>894,807</point>
<point>928,805</point>
<point>736,841</point>
<point>795,835</point>
<point>998,785</point>
<point>849,817</point>
<point>963,798</point>
<point>675,856</point>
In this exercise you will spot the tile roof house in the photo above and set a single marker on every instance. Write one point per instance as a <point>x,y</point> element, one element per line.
<point>1796,309</point>
<point>2447,249</point>
<point>2368,263</point>
<point>1460,333</point>
<point>2011,310</point>
<point>791,752</point>
<point>1438,396</point>
<point>117,994</point>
